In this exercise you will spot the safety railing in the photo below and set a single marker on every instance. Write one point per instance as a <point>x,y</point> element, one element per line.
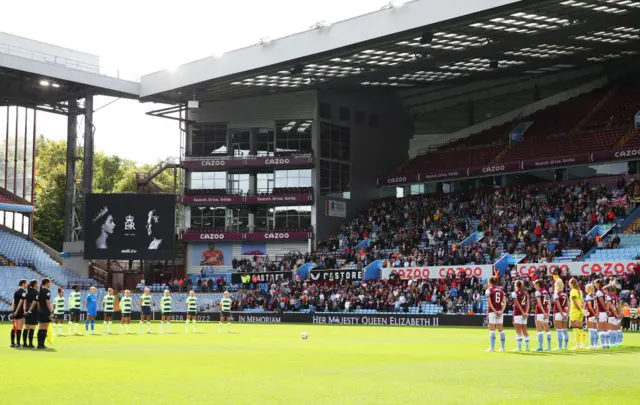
<point>67,62</point>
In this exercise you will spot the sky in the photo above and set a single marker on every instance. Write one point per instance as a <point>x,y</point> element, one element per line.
<point>141,36</point>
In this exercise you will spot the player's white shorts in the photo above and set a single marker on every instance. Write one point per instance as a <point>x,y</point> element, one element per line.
<point>542,317</point>
<point>612,320</point>
<point>496,320</point>
<point>520,319</point>
<point>558,317</point>
<point>592,319</point>
<point>603,317</point>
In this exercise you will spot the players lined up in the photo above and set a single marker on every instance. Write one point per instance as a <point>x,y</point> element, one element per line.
<point>32,307</point>
<point>601,306</point>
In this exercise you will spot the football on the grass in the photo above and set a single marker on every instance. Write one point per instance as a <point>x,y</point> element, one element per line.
<point>304,335</point>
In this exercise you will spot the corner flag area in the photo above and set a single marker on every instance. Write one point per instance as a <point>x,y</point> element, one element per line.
<point>271,364</point>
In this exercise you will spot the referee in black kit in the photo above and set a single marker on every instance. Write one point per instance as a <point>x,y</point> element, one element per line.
<point>45,311</point>
<point>19,302</point>
<point>31,316</point>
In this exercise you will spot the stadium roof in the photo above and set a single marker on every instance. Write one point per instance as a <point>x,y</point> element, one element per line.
<point>422,43</point>
<point>44,76</point>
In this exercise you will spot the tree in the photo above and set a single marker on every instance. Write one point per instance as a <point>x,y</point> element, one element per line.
<point>111,174</point>
<point>50,179</point>
<point>107,170</point>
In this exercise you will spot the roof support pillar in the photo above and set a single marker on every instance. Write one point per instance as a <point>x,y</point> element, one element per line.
<point>69,190</point>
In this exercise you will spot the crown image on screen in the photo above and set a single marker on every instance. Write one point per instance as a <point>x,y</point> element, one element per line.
<point>100,214</point>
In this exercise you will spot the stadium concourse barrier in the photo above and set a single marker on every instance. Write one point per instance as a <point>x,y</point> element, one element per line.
<point>375,271</point>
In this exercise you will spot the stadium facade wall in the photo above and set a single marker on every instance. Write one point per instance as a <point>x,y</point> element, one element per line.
<point>258,112</point>
<point>51,53</point>
<point>374,149</point>
<point>75,260</point>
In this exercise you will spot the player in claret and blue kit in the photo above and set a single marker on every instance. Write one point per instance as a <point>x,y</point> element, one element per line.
<point>592,315</point>
<point>497,302</point>
<point>543,307</point>
<point>611,300</point>
<point>561,315</point>
<point>520,313</point>
<point>603,317</point>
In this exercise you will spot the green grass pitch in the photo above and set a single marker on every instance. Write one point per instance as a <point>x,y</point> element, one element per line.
<point>271,364</point>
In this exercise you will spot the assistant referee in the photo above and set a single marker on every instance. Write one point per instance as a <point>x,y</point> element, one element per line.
<point>44,312</point>
<point>17,309</point>
<point>31,314</point>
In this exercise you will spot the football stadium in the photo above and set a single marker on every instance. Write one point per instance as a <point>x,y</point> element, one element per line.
<point>435,202</point>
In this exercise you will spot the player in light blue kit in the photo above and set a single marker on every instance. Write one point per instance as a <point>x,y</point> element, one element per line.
<point>92,310</point>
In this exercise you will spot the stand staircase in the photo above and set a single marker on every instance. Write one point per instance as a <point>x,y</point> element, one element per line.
<point>143,180</point>
<point>595,109</point>
<point>632,226</point>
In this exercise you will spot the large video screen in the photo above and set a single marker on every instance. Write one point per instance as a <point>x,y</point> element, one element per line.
<point>129,226</point>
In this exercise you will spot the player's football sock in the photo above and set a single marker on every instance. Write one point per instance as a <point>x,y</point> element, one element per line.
<point>492,340</point>
<point>42,337</point>
<point>576,336</point>
<point>186,327</point>
<point>519,341</point>
<point>18,336</point>
<point>548,340</point>
<point>168,327</point>
<point>526,342</point>
<point>193,325</point>
<point>110,323</point>
<point>560,337</point>
<point>566,338</point>
<point>148,327</point>
<point>69,327</point>
<point>86,326</point>
<point>540,339</point>
<point>140,328</point>
<point>503,338</point>
<point>25,336</point>
<point>13,337</point>
<point>620,334</point>
<point>93,326</point>
<point>161,327</point>
<point>31,333</point>
<point>228,326</point>
<point>75,328</point>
